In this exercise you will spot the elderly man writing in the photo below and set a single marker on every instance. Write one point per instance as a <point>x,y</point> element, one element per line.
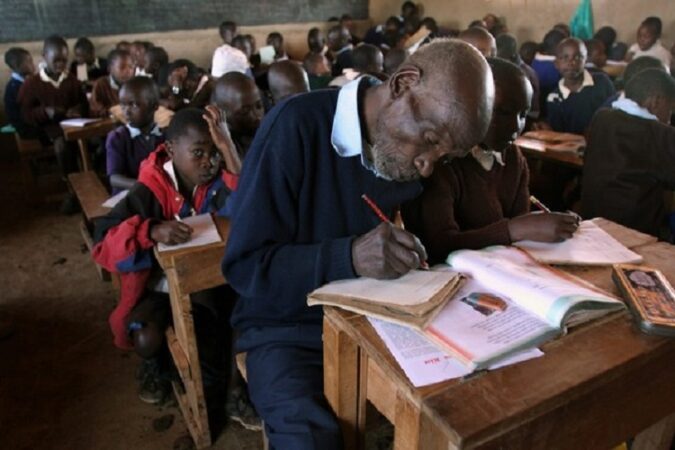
<point>299,221</point>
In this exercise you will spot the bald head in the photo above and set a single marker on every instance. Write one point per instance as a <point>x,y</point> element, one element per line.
<point>437,103</point>
<point>238,96</point>
<point>286,78</point>
<point>481,39</point>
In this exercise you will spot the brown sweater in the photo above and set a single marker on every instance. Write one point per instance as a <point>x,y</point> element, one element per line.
<point>103,96</point>
<point>37,95</point>
<point>628,165</point>
<point>463,206</point>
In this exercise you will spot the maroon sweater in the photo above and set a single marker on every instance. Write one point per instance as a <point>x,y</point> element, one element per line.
<point>463,206</point>
<point>36,95</point>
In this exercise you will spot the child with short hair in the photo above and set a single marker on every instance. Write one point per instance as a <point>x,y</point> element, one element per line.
<point>182,177</point>
<point>286,78</point>
<point>184,84</point>
<point>138,50</point>
<point>367,59</point>
<point>340,48</point>
<point>20,62</point>
<point>238,96</point>
<point>128,145</point>
<point>649,42</point>
<point>51,96</point>
<point>483,198</point>
<point>87,67</point>
<point>276,40</point>
<point>318,70</point>
<point>579,94</point>
<point>105,93</point>
<point>629,162</point>
<point>597,55</point>
<point>155,59</point>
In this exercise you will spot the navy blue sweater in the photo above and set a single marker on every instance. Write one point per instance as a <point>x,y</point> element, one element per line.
<point>296,212</point>
<point>12,108</point>
<point>574,114</point>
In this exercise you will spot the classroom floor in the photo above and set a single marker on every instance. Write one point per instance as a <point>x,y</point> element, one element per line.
<point>62,383</point>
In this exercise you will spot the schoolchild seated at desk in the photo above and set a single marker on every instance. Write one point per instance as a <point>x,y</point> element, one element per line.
<point>128,145</point>
<point>579,94</point>
<point>318,69</point>
<point>183,84</point>
<point>182,177</point>
<point>629,161</point>
<point>649,42</point>
<point>155,59</point>
<point>105,93</point>
<point>286,78</point>
<point>238,96</point>
<point>483,198</point>
<point>49,97</point>
<point>633,68</point>
<point>21,64</point>
<point>87,67</point>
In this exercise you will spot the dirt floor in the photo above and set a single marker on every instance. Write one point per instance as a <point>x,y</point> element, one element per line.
<point>62,383</point>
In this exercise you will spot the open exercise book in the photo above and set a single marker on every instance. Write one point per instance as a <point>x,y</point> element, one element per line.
<point>590,246</point>
<point>413,299</point>
<point>510,303</point>
<point>204,231</point>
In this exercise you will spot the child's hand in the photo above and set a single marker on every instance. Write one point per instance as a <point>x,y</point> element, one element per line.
<point>220,134</point>
<point>170,232</point>
<point>543,227</point>
<point>116,112</point>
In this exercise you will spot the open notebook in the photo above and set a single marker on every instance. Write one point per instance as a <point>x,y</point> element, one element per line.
<point>537,303</point>
<point>204,231</point>
<point>590,245</point>
<point>413,299</point>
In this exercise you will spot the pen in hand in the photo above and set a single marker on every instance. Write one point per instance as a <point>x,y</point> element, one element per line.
<point>423,264</point>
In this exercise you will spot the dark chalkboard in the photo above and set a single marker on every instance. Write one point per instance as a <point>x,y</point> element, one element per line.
<point>23,20</point>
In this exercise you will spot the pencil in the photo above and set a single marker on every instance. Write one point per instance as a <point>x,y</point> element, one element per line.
<point>383,218</point>
<point>539,204</point>
<point>177,217</point>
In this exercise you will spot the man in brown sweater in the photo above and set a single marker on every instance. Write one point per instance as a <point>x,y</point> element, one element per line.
<point>105,93</point>
<point>51,96</point>
<point>483,199</point>
<point>629,162</point>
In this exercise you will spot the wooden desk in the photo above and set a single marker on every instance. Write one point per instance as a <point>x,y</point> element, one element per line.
<point>91,193</point>
<point>189,271</point>
<point>82,134</point>
<point>561,148</point>
<point>594,388</point>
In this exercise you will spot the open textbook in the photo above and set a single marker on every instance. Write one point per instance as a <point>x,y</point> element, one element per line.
<point>510,303</point>
<point>413,299</point>
<point>590,245</point>
<point>204,231</point>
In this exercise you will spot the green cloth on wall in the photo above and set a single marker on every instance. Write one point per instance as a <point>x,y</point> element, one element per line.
<point>581,24</point>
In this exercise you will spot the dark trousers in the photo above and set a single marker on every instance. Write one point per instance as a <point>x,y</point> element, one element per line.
<point>285,382</point>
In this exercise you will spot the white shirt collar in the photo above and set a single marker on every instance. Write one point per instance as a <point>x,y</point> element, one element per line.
<point>113,83</point>
<point>631,107</point>
<point>344,49</point>
<point>487,158</point>
<point>171,172</point>
<point>564,90</point>
<point>135,132</point>
<point>346,136</point>
<point>44,77</point>
<point>18,77</point>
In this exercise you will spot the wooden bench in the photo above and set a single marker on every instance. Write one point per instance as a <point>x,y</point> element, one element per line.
<point>31,150</point>
<point>91,193</point>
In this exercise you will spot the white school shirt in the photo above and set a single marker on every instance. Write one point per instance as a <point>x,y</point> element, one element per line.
<point>228,59</point>
<point>657,51</point>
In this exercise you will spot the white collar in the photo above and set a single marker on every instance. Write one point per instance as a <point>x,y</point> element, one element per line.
<point>171,172</point>
<point>631,107</point>
<point>17,77</point>
<point>47,79</point>
<point>487,158</point>
<point>564,90</point>
<point>135,132</point>
<point>542,57</point>
<point>344,49</point>
<point>113,83</point>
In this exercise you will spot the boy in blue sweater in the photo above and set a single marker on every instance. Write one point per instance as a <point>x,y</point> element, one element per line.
<point>298,220</point>
<point>570,107</point>
<point>21,64</point>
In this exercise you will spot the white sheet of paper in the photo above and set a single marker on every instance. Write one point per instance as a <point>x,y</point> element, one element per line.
<point>115,199</point>
<point>423,361</point>
<point>590,245</point>
<point>80,122</point>
<point>204,232</point>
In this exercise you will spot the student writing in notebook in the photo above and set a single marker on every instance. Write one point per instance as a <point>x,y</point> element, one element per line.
<point>299,221</point>
<point>483,198</point>
<point>182,177</point>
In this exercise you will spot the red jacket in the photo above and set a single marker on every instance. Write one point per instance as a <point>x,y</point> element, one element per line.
<point>123,236</point>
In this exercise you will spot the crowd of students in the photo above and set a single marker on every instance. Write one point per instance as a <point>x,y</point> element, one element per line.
<point>186,133</point>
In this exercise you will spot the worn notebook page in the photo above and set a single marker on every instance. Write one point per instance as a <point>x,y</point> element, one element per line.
<point>204,231</point>
<point>414,288</point>
<point>590,245</point>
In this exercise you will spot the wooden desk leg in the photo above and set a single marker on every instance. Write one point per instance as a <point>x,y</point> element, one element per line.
<point>84,154</point>
<point>406,425</point>
<point>183,346</point>
<point>657,437</point>
<point>341,380</point>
